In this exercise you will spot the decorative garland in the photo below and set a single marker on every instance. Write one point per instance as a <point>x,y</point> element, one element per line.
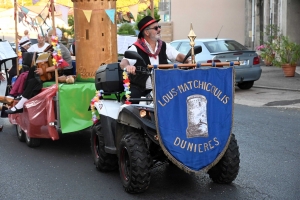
<point>20,57</point>
<point>92,105</point>
<point>99,94</point>
<point>126,85</point>
<point>57,59</point>
<point>47,9</point>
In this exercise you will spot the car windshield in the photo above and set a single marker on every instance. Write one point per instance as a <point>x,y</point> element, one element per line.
<point>184,47</point>
<point>223,46</point>
<point>33,41</point>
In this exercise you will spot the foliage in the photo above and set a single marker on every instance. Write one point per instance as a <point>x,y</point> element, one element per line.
<point>266,49</point>
<point>122,5</point>
<point>277,48</point>
<point>70,31</point>
<point>266,52</point>
<point>71,25</point>
<point>286,51</point>
<point>142,15</point>
<point>126,29</point>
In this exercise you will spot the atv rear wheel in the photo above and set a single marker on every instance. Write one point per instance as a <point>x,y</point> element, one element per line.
<point>227,169</point>
<point>104,161</point>
<point>134,163</point>
<point>20,134</point>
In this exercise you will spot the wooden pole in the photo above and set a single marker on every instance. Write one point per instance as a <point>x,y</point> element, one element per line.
<point>216,64</point>
<point>16,36</point>
<point>152,8</point>
<point>54,33</point>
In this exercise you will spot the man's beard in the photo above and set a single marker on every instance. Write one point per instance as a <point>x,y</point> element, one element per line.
<point>155,37</point>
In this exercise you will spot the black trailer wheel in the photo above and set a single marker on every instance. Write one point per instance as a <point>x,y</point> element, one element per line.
<point>227,169</point>
<point>134,163</point>
<point>20,134</point>
<point>32,142</point>
<point>103,161</point>
<point>245,85</point>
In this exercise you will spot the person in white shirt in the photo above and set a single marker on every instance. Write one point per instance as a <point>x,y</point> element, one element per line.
<point>153,50</point>
<point>40,46</point>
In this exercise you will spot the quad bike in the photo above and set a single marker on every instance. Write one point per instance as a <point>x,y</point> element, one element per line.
<point>126,136</point>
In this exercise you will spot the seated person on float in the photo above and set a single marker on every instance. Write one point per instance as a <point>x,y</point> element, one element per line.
<point>33,84</point>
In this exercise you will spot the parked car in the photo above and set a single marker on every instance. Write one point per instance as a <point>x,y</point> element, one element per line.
<point>33,41</point>
<point>226,50</point>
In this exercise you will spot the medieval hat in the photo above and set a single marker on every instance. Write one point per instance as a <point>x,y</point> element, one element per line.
<point>144,23</point>
<point>24,41</point>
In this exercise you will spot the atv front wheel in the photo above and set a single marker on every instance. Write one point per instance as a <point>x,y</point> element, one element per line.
<point>227,169</point>
<point>104,161</point>
<point>134,163</point>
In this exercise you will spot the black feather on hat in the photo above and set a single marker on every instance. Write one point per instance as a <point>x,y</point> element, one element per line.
<point>144,23</point>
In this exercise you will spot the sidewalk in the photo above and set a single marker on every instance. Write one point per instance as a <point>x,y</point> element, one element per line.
<point>273,77</point>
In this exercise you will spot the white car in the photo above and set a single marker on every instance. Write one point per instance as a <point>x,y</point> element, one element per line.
<point>226,50</point>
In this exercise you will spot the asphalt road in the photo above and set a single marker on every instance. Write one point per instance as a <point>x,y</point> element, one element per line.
<point>268,136</point>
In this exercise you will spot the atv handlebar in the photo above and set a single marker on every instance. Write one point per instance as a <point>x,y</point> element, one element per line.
<point>141,70</point>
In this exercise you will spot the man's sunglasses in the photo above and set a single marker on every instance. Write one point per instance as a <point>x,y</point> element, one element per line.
<point>155,27</point>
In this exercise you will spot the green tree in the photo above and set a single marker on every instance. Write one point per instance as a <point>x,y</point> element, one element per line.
<point>142,15</point>
<point>71,25</point>
<point>122,5</point>
<point>71,30</point>
<point>126,29</point>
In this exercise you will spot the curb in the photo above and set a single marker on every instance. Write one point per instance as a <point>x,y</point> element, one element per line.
<point>298,70</point>
<point>275,88</point>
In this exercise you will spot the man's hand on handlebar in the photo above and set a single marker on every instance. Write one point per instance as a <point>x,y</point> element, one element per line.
<point>2,78</point>
<point>130,69</point>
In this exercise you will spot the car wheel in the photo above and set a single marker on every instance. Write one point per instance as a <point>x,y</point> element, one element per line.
<point>32,142</point>
<point>227,169</point>
<point>246,85</point>
<point>103,161</point>
<point>134,163</point>
<point>20,134</point>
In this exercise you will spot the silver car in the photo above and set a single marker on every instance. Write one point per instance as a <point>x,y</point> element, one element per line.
<point>226,50</point>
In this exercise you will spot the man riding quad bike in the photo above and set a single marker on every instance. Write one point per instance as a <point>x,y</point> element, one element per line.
<point>128,136</point>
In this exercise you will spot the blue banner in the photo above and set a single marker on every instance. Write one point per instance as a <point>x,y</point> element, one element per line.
<point>194,111</point>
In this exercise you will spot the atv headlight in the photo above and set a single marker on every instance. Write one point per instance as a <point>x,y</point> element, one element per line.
<point>143,113</point>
